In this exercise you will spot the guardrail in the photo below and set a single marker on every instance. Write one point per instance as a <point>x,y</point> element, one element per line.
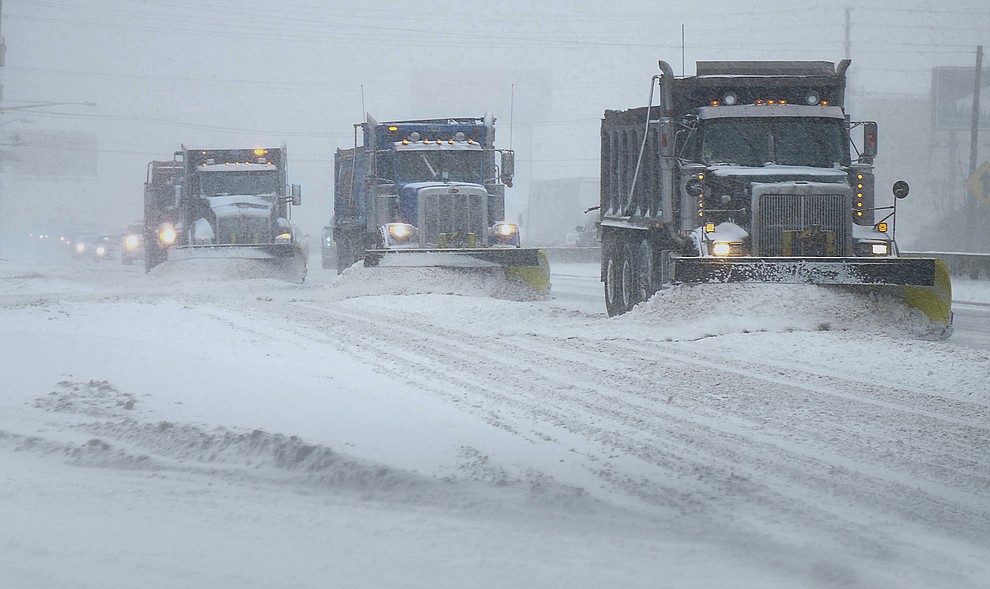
<point>975,266</point>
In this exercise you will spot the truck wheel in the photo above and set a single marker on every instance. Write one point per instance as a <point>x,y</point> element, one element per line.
<point>629,291</point>
<point>645,271</point>
<point>613,276</point>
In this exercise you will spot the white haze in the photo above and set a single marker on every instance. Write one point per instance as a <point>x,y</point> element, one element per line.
<point>154,74</point>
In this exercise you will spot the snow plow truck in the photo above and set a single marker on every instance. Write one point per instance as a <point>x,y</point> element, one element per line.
<point>224,204</point>
<point>751,172</point>
<point>430,193</point>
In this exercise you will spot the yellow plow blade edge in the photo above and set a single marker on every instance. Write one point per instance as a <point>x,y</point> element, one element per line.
<point>537,277</point>
<point>934,301</point>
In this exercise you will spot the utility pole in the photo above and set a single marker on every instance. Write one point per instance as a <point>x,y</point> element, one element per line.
<point>975,130</point>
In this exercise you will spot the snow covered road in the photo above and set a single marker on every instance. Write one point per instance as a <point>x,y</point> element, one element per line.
<point>377,431</point>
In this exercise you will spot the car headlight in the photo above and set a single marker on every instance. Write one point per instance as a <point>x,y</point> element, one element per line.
<point>80,247</point>
<point>101,250</point>
<point>131,242</point>
<point>283,238</point>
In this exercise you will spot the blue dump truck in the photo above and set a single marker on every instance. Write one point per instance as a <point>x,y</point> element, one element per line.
<point>231,204</point>
<point>751,172</point>
<point>429,193</point>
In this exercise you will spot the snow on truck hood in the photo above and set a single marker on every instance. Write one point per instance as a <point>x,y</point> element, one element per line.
<point>825,174</point>
<point>241,205</point>
<point>437,184</point>
<point>438,146</point>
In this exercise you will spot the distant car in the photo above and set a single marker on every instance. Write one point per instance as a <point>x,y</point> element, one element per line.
<point>82,245</point>
<point>132,244</point>
<point>104,248</point>
<point>585,235</point>
<point>328,251</point>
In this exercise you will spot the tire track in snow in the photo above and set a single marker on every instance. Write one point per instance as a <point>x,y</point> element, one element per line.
<point>702,444</point>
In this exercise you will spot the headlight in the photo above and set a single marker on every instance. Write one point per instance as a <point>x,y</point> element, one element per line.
<point>505,234</point>
<point>872,248</point>
<point>727,248</point>
<point>401,235</point>
<point>131,242</point>
<point>166,234</point>
<point>400,230</point>
<point>283,238</point>
<point>101,250</point>
<point>505,229</point>
<point>80,247</point>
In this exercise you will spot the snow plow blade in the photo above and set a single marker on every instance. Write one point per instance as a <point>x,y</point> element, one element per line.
<point>922,283</point>
<point>281,262</point>
<point>528,266</point>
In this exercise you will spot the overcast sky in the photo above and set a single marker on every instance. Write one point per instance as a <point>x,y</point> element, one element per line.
<point>160,73</point>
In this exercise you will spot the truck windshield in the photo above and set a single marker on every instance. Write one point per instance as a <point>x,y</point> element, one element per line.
<point>262,183</point>
<point>792,141</point>
<point>442,166</point>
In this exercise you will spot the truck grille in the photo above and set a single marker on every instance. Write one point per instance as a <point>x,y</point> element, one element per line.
<point>802,224</point>
<point>243,230</point>
<point>459,217</point>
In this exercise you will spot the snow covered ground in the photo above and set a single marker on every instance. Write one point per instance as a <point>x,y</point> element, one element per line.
<point>406,429</point>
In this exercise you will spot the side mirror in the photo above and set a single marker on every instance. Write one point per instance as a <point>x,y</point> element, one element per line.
<point>901,189</point>
<point>508,169</point>
<point>296,191</point>
<point>870,140</point>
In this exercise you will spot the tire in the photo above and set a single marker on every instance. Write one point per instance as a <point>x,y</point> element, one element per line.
<point>628,292</point>
<point>646,282</point>
<point>612,263</point>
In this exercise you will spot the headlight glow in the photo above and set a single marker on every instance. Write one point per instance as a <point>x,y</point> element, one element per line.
<point>166,235</point>
<point>506,229</point>
<point>131,242</point>
<point>101,250</point>
<point>80,247</point>
<point>400,230</point>
<point>727,248</point>
<point>880,249</point>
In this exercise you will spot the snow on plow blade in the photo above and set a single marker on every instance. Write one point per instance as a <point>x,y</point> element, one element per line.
<point>529,266</point>
<point>281,262</point>
<point>922,283</point>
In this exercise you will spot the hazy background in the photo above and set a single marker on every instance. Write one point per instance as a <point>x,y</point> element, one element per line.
<point>94,89</point>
